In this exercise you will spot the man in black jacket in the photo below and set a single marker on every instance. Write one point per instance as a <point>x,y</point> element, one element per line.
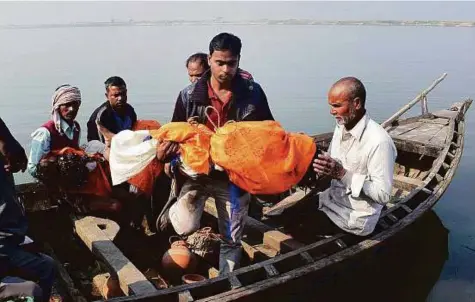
<point>115,114</point>
<point>232,98</point>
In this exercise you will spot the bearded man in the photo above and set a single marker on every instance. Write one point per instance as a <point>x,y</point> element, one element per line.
<point>360,162</point>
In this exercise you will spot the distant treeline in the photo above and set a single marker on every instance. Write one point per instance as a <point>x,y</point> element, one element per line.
<point>250,22</point>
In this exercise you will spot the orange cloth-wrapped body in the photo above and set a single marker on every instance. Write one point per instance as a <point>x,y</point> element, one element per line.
<point>260,157</point>
<point>194,142</point>
<point>194,150</point>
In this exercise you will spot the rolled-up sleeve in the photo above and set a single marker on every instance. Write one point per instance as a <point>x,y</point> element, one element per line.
<point>40,146</point>
<point>377,183</point>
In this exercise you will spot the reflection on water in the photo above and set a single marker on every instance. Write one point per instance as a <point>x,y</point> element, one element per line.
<point>404,268</point>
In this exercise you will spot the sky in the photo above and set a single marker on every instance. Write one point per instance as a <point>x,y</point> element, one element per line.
<point>30,13</point>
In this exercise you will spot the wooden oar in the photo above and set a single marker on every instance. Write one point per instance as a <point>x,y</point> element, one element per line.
<point>409,105</point>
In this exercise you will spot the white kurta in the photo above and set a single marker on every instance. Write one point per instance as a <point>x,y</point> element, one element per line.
<point>368,154</point>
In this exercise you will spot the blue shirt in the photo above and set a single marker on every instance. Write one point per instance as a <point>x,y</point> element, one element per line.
<point>124,123</point>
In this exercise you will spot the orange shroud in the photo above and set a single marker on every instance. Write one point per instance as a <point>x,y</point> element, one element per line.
<point>194,142</point>
<point>260,157</point>
<point>194,148</point>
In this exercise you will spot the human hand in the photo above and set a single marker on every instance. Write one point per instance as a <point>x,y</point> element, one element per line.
<point>15,160</point>
<point>326,165</point>
<point>166,150</point>
<point>193,120</point>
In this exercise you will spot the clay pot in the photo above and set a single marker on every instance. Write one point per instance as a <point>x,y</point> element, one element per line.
<point>192,278</point>
<point>178,259</point>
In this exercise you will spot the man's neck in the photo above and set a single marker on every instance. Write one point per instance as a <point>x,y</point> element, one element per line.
<point>217,86</point>
<point>359,115</point>
<point>69,122</point>
<point>120,113</point>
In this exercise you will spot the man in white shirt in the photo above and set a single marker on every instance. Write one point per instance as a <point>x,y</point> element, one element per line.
<point>360,162</point>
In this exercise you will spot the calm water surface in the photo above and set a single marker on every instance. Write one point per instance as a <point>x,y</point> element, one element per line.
<point>295,65</point>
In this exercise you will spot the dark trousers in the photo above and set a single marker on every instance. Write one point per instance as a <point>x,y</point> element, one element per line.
<point>32,266</point>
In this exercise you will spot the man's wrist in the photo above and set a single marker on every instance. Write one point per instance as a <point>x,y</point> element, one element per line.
<point>341,173</point>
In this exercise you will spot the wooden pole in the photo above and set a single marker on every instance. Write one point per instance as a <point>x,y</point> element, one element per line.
<point>408,106</point>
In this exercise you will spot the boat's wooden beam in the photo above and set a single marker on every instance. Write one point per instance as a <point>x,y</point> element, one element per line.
<point>416,147</point>
<point>271,237</point>
<point>64,277</point>
<point>406,183</point>
<point>285,203</point>
<point>258,252</point>
<point>97,234</point>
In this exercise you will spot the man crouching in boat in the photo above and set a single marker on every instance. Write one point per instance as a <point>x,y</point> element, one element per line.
<point>15,260</point>
<point>360,162</point>
<point>233,98</point>
<point>60,136</point>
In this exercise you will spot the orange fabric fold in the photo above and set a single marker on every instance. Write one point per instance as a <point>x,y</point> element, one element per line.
<point>194,140</point>
<point>260,157</point>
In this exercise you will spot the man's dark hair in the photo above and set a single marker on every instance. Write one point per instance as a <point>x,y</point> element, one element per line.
<point>225,41</point>
<point>200,57</point>
<point>114,81</point>
<point>356,87</point>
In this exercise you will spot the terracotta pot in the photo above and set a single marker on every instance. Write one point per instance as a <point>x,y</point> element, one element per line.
<point>192,278</point>
<point>178,259</point>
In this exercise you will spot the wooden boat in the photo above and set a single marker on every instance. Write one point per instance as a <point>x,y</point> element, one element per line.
<point>429,148</point>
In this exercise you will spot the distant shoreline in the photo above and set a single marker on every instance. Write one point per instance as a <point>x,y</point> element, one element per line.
<point>420,23</point>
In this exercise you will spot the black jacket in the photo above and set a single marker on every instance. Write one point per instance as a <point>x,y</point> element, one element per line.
<point>104,114</point>
<point>248,102</point>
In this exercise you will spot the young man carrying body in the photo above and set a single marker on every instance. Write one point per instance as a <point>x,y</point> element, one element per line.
<point>233,98</point>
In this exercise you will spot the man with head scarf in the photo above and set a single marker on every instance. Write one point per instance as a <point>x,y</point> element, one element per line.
<point>59,132</point>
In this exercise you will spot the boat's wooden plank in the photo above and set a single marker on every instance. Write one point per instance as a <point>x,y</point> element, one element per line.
<point>234,281</point>
<point>273,238</point>
<point>185,296</point>
<point>423,133</point>
<point>92,232</point>
<point>406,183</point>
<point>285,203</point>
<point>440,121</point>
<point>341,243</point>
<point>258,252</point>
<point>306,256</point>
<point>392,217</point>
<point>402,129</point>
<point>440,137</point>
<point>64,277</point>
<point>271,270</point>
<point>416,147</point>
<point>405,207</point>
<point>383,224</point>
<point>449,114</point>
